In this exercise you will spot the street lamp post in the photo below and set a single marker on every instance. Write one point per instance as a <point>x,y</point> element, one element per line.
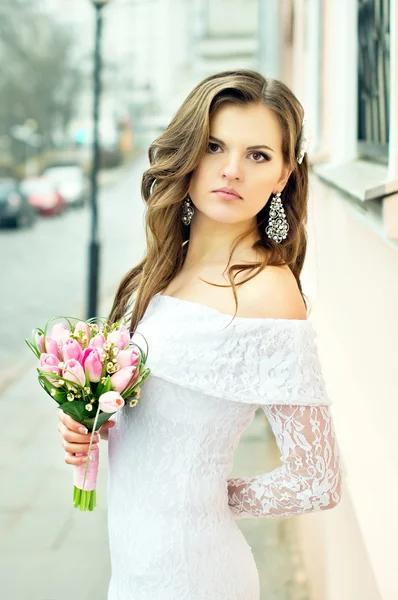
<point>94,246</point>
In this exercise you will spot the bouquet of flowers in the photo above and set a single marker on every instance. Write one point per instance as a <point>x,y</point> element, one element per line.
<point>91,371</point>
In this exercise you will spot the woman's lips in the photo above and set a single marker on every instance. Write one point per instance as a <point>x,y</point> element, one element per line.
<point>227,195</point>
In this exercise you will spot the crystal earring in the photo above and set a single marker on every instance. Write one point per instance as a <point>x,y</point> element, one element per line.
<point>187,210</point>
<point>277,225</point>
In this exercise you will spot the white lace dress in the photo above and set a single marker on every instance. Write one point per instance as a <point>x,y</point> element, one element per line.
<point>172,507</point>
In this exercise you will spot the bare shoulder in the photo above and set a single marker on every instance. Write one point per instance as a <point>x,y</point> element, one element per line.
<point>273,294</point>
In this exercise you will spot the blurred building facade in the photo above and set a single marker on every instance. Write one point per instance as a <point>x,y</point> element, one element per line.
<point>341,60</point>
<point>175,43</point>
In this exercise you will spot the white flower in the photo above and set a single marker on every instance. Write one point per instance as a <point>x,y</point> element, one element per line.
<point>305,141</point>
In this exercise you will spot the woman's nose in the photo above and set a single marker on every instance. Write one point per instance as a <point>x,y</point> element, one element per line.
<point>232,169</point>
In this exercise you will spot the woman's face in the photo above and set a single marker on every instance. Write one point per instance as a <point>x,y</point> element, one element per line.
<point>244,153</point>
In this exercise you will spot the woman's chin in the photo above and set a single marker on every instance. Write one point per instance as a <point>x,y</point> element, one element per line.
<point>227,216</point>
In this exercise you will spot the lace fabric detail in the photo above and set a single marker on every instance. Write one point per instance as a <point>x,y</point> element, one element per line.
<point>309,479</point>
<point>255,361</point>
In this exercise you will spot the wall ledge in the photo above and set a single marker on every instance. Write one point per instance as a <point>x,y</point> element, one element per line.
<point>364,188</point>
<point>361,179</point>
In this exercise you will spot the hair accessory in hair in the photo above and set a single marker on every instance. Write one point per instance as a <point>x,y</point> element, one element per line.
<point>305,140</point>
<point>153,184</point>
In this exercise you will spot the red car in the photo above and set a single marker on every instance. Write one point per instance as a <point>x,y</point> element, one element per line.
<point>43,195</point>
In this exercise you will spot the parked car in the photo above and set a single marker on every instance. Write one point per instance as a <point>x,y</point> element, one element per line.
<point>43,195</point>
<point>70,182</point>
<point>14,206</point>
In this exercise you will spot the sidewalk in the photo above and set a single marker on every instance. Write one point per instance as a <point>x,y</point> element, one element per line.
<point>44,539</point>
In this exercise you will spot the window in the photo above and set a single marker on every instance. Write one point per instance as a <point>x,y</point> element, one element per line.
<point>373,79</point>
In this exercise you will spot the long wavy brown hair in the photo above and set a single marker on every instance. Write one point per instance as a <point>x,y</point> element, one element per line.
<point>173,158</point>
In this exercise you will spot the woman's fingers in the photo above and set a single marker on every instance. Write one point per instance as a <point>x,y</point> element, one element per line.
<point>74,448</point>
<point>71,459</point>
<point>76,438</point>
<point>71,423</point>
<point>73,441</point>
<point>104,429</point>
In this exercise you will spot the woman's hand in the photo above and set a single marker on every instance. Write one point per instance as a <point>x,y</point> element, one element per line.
<point>75,441</point>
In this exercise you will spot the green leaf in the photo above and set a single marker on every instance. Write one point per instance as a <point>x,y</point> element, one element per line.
<point>102,418</point>
<point>59,396</point>
<point>103,372</point>
<point>33,348</point>
<point>102,388</point>
<point>87,383</point>
<point>77,411</point>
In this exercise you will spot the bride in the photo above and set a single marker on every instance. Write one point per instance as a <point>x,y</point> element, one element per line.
<point>218,298</point>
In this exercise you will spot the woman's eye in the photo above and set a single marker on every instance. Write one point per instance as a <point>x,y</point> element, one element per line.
<point>210,144</point>
<point>260,155</point>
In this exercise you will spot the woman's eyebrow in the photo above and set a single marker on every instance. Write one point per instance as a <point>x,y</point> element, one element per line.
<point>212,137</point>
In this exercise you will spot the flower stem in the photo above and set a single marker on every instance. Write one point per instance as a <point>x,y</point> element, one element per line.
<point>85,500</point>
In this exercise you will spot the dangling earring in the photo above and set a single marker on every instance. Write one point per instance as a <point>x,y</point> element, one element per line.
<point>277,225</point>
<point>187,210</point>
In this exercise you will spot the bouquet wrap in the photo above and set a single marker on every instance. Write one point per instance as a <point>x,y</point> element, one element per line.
<point>87,481</point>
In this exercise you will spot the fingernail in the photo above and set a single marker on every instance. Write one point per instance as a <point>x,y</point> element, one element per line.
<point>83,430</point>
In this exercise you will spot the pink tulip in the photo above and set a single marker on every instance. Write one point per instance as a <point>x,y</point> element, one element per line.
<point>51,346</point>
<point>97,341</point>
<point>86,352</point>
<point>120,337</point>
<point>93,364</point>
<point>73,371</point>
<point>82,328</point>
<point>71,349</point>
<point>49,363</point>
<point>127,358</point>
<point>110,402</point>
<point>60,333</point>
<point>124,378</point>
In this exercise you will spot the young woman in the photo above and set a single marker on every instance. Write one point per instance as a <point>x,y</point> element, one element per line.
<point>219,300</point>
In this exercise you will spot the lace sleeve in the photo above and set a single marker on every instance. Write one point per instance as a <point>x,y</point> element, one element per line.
<point>309,479</point>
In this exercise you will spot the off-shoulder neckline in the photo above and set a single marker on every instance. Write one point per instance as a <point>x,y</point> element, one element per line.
<point>215,311</point>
